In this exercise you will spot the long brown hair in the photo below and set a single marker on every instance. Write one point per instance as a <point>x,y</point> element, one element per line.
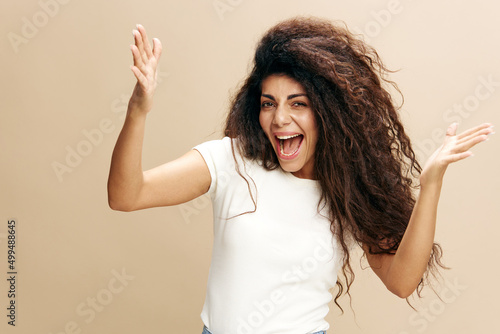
<point>364,161</point>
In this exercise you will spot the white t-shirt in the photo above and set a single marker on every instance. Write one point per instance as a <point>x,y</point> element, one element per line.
<point>271,269</point>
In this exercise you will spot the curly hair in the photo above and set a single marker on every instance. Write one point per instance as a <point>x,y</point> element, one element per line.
<point>364,161</point>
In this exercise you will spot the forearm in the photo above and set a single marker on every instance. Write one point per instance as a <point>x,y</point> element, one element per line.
<point>402,272</point>
<point>126,175</point>
<point>410,261</point>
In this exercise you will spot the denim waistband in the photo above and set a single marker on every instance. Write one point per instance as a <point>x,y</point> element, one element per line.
<point>206,331</point>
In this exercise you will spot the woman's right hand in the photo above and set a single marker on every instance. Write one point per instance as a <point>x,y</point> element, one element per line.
<point>175,182</point>
<point>144,69</point>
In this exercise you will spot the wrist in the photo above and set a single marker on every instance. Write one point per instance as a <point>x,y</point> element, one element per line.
<point>432,177</point>
<point>435,183</point>
<point>137,110</point>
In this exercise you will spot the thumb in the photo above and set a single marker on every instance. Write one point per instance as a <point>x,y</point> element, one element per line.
<point>452,129</point>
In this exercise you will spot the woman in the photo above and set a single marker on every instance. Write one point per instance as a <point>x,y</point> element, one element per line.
<point>315,160</point>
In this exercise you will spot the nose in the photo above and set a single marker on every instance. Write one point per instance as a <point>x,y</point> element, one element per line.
<point>281,116</point>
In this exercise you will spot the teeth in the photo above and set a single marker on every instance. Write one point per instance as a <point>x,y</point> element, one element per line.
<point>287,137</point>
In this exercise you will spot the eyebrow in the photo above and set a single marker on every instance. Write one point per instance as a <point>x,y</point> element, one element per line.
<point>288,98</point>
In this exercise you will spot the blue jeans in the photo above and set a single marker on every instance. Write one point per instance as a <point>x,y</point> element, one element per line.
<point>206,331</point>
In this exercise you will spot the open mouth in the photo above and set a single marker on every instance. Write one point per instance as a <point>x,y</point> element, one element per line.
<point>288,146</point>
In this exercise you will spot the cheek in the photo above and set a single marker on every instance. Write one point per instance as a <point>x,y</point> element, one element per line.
<point>264,122</point>
<point>308,123</point>
<point>312,129</point>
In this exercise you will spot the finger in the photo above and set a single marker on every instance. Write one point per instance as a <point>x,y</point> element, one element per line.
<point>137,57</point>
<point>147,46</point>
<point>483,131</point>
<point>452,129</point>
<point>470,143</point>
<point>157,48</point>
<point>456,157</point>
<point>139,76</point>
<point>473,130</point>
<point>140,45</point>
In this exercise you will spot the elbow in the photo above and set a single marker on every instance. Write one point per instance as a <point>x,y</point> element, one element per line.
<point>118,204</point>
<point>403,294</point>
<point>401,285</point>
<point>402,291</point>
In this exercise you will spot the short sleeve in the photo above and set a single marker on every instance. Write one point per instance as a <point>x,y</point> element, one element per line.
<point>218,157</point>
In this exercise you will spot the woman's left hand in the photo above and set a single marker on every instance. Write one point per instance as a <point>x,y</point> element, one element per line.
<point>455,148</point>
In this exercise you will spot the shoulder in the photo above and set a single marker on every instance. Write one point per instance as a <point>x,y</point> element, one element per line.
<point>217,146</point>
<point>225,150</point>
<point>223,160</point>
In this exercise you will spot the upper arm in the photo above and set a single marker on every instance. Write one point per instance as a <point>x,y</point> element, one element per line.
<point>174,182</point>
<point>380,264</point>
<point>394,279</point>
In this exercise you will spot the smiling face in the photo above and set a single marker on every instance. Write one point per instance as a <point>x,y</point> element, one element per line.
<point>288,121</point>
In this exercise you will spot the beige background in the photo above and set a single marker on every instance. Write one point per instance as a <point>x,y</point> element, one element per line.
<point>70,76</point>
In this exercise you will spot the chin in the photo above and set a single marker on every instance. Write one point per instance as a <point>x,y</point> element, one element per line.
<point>290,166</point>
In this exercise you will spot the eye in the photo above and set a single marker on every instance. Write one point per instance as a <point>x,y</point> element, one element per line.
<point>299,104</point>
<point>266,104</point>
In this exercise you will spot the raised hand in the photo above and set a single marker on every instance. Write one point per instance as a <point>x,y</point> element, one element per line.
<point>144,69</point>
<point>455,148</point>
